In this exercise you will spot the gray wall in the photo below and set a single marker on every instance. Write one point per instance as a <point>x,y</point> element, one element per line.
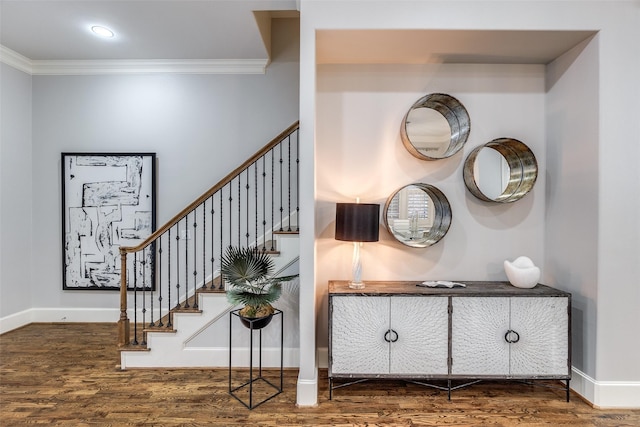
<point>200,126</point>
<point>15,191</point>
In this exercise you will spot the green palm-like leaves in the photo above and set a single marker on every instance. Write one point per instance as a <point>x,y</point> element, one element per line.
<point>248,272</point>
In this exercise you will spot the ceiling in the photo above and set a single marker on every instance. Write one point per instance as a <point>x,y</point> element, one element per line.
<point>209,36</point>
<point>444,46</point>
<point>184,31</point>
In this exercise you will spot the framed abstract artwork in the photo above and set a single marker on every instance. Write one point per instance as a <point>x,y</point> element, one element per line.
<point>108,201</point>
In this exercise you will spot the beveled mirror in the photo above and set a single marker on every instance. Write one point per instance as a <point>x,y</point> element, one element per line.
<point>417,215</point>
<point>502,171</point>
<point>436,127</point>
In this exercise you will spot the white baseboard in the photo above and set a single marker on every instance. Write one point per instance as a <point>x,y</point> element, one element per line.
<point>307,391</point>
<point>50,315</point>
<point>606,394</point>
<point>15,321</point>
<point>322,354</point>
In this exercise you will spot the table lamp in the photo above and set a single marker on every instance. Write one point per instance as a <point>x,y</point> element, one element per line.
<point>357,222</point>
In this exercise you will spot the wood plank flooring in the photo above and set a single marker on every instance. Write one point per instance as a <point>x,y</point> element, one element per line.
<point>65,374</point>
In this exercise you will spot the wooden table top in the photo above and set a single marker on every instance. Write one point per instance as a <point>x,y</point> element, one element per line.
<point>472,288</point>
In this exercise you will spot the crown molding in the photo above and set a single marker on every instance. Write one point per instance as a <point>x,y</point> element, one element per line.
<point>143,66</point>
<point>137,66</point>
<point>15,60</point>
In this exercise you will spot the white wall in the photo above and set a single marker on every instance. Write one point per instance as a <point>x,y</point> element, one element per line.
<point>619,207</point>
<point>614,374</point>
<point>571,237</point>
<point>15,193</point>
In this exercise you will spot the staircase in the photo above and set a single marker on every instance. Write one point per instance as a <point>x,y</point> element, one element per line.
<point>173,306</point>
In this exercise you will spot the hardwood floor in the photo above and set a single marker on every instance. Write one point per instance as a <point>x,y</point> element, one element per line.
<point>65,374</point>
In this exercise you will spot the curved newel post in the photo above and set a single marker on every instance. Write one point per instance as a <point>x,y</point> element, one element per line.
<point>123,322</point>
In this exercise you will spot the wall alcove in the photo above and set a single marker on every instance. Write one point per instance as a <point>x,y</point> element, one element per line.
<point>558,81</point>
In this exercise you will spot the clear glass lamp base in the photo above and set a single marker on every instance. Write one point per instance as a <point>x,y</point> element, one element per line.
<point>356,285</point>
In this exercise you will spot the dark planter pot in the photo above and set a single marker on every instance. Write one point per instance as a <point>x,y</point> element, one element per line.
<point>256,322</point>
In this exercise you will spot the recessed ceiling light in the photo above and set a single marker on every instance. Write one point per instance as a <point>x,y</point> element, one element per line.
<point>102,31</point>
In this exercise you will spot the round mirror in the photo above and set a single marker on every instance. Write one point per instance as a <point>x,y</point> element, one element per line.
<point>436,127</point>
<point>502,170</point>
<point>417,215</point>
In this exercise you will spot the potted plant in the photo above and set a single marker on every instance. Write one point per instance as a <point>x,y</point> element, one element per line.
<point>248,272</point>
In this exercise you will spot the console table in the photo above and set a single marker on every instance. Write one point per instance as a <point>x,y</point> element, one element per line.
<point>486,330</point>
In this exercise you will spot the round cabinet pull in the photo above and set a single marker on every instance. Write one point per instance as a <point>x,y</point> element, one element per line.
<point>387,334</point>
<point>508,336</point>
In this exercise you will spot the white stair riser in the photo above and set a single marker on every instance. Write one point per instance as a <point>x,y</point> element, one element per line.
<point>208,358</point>
<point>188,344</point>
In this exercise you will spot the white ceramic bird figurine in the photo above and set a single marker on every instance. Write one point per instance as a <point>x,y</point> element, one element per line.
<point>522,273</point>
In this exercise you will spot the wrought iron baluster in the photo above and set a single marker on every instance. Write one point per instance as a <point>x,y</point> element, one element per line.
<point>297,182</point>
<point>221,236</point>
<point>264,203</point>
<point>204,246</point>
<point>143,264</point>
<point>272,195</point>
<point>280,179</point>
<point>135,299</point>
<point>247,186</point>
<point>213,253</point>
<point>159,282</point>
<point>169,314</point>
<point>289,181</point>
<point>178,267</point>
<point>239,207</point>
<point>195,260</point>
<point>255,192</point>
<point>230,209</point>
<point>148,272</point>
<point>186,261</point>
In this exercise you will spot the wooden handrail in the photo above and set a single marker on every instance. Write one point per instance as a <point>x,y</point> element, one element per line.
<point>123,322</point>
<point>173,221</point>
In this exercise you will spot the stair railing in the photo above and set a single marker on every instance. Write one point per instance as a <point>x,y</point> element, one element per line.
<point>182,257</point>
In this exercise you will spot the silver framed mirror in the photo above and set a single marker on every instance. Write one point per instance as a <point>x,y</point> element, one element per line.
<point>417,215</point>
<point>503,170</point>
<point>435,127</point>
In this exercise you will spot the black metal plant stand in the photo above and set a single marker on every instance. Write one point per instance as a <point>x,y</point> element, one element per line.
<point>258,380</point>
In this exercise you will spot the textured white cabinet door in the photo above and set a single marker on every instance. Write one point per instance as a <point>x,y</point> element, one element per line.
<point>543,326</point>
<point>422,326</point>
<point>358,325</point>
<point>478,346</point>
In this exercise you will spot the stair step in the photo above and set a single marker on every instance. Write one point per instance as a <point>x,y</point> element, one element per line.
<point>186,310</point>
<point>213,286</point>
<point>269,244</point>
<point>287,232</point>
<point>215,290</point>
<point>158,329</point>
<point>132,347</point>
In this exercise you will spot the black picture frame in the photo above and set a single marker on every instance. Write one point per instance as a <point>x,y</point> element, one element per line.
<point>108,201</point>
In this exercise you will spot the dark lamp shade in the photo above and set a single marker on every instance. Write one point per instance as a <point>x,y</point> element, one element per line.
<point>357,222</point>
